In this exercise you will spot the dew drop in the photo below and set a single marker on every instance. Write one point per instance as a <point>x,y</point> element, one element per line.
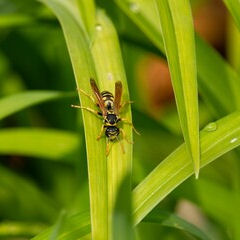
<point>109,76</point>
<point>211,127</point>
<point>233,140</point>
<point>98,27</point>
<point>134,7</point>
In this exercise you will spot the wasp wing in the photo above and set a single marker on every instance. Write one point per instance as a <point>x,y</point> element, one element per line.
<point>118,96</point>
<point>98,96</point>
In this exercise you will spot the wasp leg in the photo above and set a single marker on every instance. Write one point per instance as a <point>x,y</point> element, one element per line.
<point>121,144</point>
<point>126,103</point>
<point>124,136</point>
<point>130,123</point>
<point>101,133</point>
<point>86,94</point>
<point>88,109</point>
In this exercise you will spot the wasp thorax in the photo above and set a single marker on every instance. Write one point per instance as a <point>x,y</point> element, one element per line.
<point>112,132</point>
<point>111,118</point>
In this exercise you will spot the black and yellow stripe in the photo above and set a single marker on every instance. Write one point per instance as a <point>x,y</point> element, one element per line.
<point>108,100</point>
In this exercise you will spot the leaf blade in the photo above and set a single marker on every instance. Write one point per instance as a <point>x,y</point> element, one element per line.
<point>17,102</point>
<point>38,142</point>
<point>172,220</point>
<point>105,43</point>
<point>84,69</point>
<point>177,166</point>
<point>178,36</point>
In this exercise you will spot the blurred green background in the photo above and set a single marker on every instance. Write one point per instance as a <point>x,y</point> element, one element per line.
<point>43,168</point>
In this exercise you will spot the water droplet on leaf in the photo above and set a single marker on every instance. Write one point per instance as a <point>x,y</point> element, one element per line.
<point>99,27</point>
<point>109,76</point>
<point>211,127</point>
<point>233,140</point>
<point>134,7</point>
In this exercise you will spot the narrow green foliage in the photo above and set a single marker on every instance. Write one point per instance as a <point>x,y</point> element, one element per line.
<point>178,36</point>
<point>217,139</point>
<point>234,9</point>
<point>88,14</point>
<point>173,221</point>
<point>14,20</point>
<point>37,142</point>
<point>216,83</point>
<point>215,75</point>
<point>20,229</point>
<point>56,231</point>
<point>109,70</point>
<point>84,69</point>
<point>17,102</point>
<point>104,43</point>
<point>122,217</point>
<point>24,192</point>
<point>74,228</point>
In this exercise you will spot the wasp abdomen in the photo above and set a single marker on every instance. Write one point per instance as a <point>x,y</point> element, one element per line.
<point>108,100</point>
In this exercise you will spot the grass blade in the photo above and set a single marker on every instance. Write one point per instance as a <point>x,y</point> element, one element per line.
<point>74,228</point>
<point>122,217</point>
<point>84,69</point>
<point>39,206</point>
<point>37,142</point>
<point>10,230</point>
<point>215,75</point>
<point>214,80</point>
<point>234,8</point>
<point>59,225</point>
<point>105,43</point>
<point>88,14</point>
<point>173,221</point>
<point>216,139</point>
<point>17,102</point>
<point>178,36</point>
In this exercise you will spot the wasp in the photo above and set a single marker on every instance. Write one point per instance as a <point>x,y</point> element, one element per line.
<point>110,108</point>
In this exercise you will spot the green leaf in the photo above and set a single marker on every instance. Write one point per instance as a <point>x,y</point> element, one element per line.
<point>84,69</point>
<point>178,36</point>
<point>37,142</point>
<point>87,10</point>
<point>28,201</point>
<point>58,227</point>
<point>74,228</point>
<point>17,102</point>
<point>10,20</point>
<point>215,75</point>
<point>19,229</point>
<point>234,8</point>
<point>122,218</point>
<point>171,220</point>
<point>214,80</point>
<point>105,43</point>
<point>109,70</point>
<point>216,139</point>
<point>216,207</point>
